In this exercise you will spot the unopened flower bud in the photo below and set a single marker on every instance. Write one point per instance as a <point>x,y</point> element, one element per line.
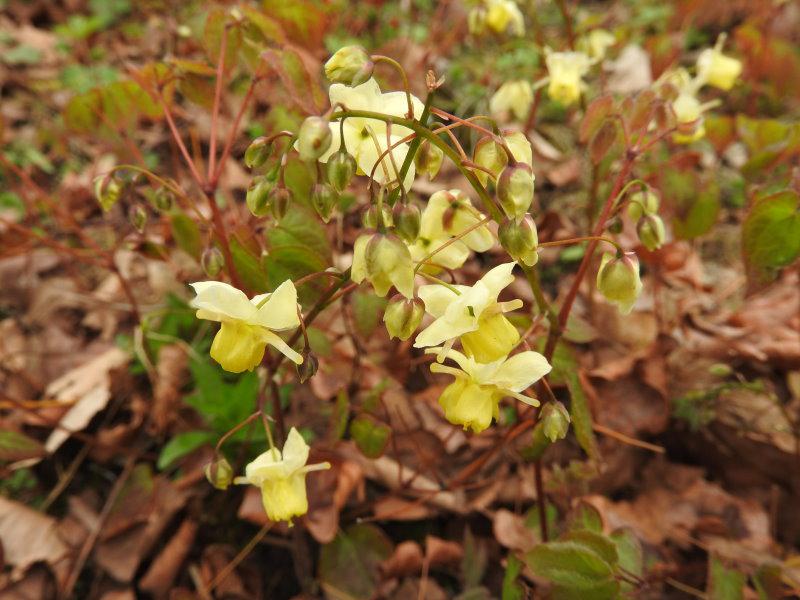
<point>520,240</point>
<point>314,138</point>
<point>219,473</point>
<point>403,316</point>
<point>407,219</point>
<point>385,261</point>
<point>555,421</point>
<point>428,159</point>
<point>341,168</point>
<point>350,65</point>
<point>107,190</point>
<point>212,261</point>
<point>643,202</point>
<point>651,232</point>
<point>279,199</point>
<point>308,368</point>
<point>491,156</point>
<point>257,152</point>
<point>137,215</point>
<point>323,199</point>
<point>370,217</point>
<point>258,196</point>
<point>163,199</point>
<point>618,280</point>
<point>476,21</point>
<point>515,190</point>
<point>615,226</point>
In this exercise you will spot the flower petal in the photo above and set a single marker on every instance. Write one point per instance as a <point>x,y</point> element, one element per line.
<point>218,301</point>
<point>279,312</point>
<point>520,371</point>
<point>361,97</point>
<point>498,278</point>
<point>295,450</point>
<point>436,298</point>
<point>277,342</point>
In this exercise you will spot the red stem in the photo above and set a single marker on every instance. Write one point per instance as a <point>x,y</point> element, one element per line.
<point>212,146</point>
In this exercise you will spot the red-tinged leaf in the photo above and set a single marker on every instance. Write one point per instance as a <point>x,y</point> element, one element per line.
<point>596,112</point>
<point>216,24</point>
<point>603,140</point>
<point>642,112</point>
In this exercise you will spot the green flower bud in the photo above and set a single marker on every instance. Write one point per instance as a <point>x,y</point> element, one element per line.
<point>428,159</point>
<point>308,368</point>
<point>163,199</point>
<point>407,219</point>
<point>369,218</point>
<point>555,421</point>
<point>651,232</point>
<point>314,138</point>
<point>323,199</point>
<point>515,190</point>
<point>219,473</point>
<point>107,190</point>
<point>350,65</point>
<point>618,280</point>
<point>137,215</point>
<point>341,168</point>
<point>279,199</point>
<point>615,225</point>
<point>520,240</point>
<point>257,152</point>
<point>403,316</point>
<point>642,203</point>
<point>212,261</point>
<point>258,196</point>
<point>489,155</point>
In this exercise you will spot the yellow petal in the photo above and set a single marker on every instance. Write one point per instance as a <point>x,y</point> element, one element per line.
<point>285,498</point>
<point>279,312</point>
<point>520,371</point>
<point>494,339</point>
<point>218,301</point>
<point>238,347</point>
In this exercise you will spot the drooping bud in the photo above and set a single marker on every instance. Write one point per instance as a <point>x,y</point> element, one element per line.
<point>258,196</point>
<point>314,138</point>
<point>615,225</point>
<point>257,152</point>
<point>618,280</point>
<point>369,217</point>
<point>350,65</point>
<point>555,421</point>
<point>515,190</point>
<point>163,199</point>
<point>279,199</point>
<point>651,232</point>
<point>308,368</point>
<point>219,473</point>
<point>513,97</point>
<point>491,156</point>
<point>643,202</point>
<point>107,190</point>
<point>520,240</point>
<point>341,169</point>
<point>323,199</point>
<point>212,261</point>
<point>407,219</point>
<point>428,159</point>
<point>137,215</point>
<point>403,316</point>
<point>385,261</point>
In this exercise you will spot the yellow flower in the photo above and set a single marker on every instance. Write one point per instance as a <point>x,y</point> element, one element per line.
<point>384,261</point>
<point>473,314</point>
<point>716,69</point>
<point>366,139</point>
<point>504,16</point>
<point>282,478</point>
<point>472,399</point>
<point>689,114</point>
<point>566,71</point>
<point>513,97</point>
<point>598,41</point>
<point>247,325</point>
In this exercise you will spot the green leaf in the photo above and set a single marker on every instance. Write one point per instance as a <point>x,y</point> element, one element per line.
<point>768,581</point>
<point>370,436</point>
<point>724,583</point>
<point>349,567</point>
<point>212,38</point>
<point>248,267</point>
<point>700,214</point>
<point>581,416</point>
<point>473,565</point>
<point>181,445</point>
<point>599,543</point>
<point>367,311</point>
<point>187,235</point>
<point>512,590</point>
<point>15,445</point>
<point>607,590</point>
<point>585,516</point>
<point>569,564</point>
<point>629,550</point>
<point>771,234</point>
